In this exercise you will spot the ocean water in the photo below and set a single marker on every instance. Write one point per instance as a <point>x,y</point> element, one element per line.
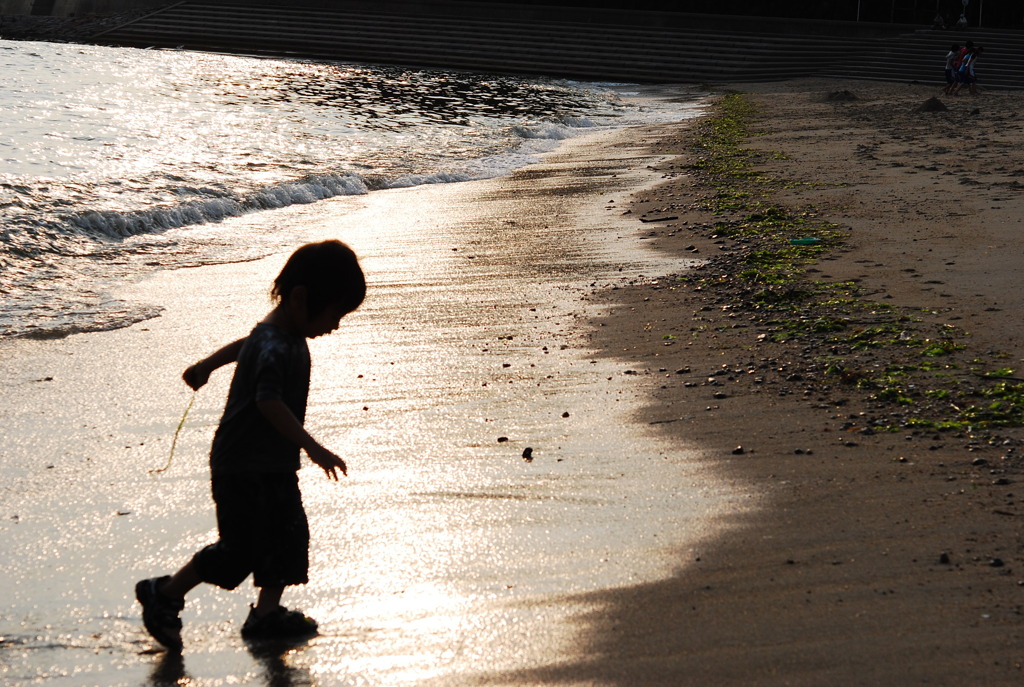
<point>115,162</point>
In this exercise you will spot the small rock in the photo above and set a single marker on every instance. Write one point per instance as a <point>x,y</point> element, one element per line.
<point>565,414</point>
<point>738,451</point>
<point>944,559</point>
<point>528,454</point>
<point>932,105</point>
<point>502,440</point>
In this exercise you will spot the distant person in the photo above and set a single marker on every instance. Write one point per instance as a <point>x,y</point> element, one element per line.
<point>958,62</point>
<point>966,74</point>
<point>939,22</point>
<point>961,23</point>
<point>968,46</point>
<point>951,58</point>
<point>255,455</point>
<point>972,75</point>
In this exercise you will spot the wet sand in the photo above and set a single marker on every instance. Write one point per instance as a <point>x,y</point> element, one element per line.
<point>637,549</point>
<point>445,552</point>
<point>888,558</point>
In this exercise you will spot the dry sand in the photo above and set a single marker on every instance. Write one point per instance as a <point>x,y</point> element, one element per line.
<point>890,558</point>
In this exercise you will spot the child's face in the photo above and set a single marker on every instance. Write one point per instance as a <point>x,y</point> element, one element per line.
<point>324,323</point>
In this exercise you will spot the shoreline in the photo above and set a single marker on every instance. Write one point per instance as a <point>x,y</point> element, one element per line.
<point>871,559</point>
<point>443,535</point>
<point>882,557</point>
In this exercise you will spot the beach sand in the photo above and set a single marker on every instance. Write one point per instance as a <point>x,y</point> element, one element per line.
<point>889,558</point>
<point>826,552</point>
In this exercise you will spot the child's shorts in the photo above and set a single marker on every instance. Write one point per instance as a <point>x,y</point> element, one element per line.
<point>263,531</point>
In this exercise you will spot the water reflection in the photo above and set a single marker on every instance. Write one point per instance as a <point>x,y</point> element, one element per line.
<point>279,664</point>
<point>388,98</point>
<point>169,671</point>
<point>278,670</point>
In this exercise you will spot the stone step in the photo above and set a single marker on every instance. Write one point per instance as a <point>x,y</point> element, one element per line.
<point>650,47</point>
<point>679,52</point>
<point>570,49</point>
<point>921,57</point>
<point>197,13</point>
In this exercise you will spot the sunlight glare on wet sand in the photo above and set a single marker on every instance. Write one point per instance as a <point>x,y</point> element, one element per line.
<point>459,360</point>
<point>445,556</point>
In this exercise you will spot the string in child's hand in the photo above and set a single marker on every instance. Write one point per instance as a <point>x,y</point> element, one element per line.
<point>174,441</point>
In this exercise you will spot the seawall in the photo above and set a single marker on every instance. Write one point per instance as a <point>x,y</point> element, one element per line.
<point>74,8</point>
<point>598,42</point>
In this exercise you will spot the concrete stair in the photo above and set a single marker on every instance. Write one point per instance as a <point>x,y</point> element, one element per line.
<point>533,40</point>
<point>503,43</point>
<point>920,57</point>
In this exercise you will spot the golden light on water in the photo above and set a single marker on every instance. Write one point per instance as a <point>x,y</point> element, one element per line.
<point>445,557</point>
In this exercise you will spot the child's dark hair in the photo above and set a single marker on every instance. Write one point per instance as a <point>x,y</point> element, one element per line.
<point>331,274</point>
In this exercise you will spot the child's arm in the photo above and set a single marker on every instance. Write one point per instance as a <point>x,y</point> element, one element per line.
<point>284,421</point>
<point>197,375</point>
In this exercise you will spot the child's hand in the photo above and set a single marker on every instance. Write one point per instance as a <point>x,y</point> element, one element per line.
<point>196,376</point>
<point>328,462</point>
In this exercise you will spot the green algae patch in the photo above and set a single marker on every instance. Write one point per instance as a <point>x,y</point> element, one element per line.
<point>912,370</point>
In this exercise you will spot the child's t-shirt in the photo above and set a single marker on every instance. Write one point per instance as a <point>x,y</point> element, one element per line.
<point>272,365</point>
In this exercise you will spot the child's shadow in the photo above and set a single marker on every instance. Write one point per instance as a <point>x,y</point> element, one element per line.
<point>170,671</point>
<point>271,655</point>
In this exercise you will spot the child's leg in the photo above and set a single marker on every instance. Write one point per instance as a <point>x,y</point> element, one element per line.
<point>268,600</point>
<point>281,548</point>
<point>182,582</point>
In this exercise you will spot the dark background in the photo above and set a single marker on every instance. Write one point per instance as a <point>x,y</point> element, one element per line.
<point>988,13</point>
